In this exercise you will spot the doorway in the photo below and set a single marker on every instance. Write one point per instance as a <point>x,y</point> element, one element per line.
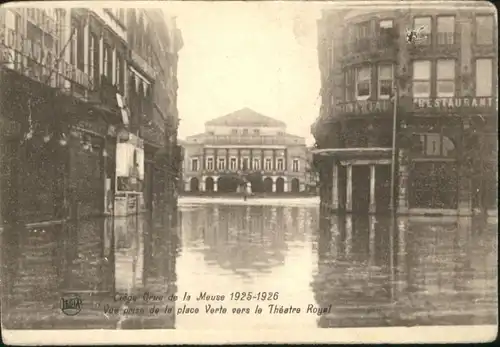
<point>280,185</point>
<point>360,188</point>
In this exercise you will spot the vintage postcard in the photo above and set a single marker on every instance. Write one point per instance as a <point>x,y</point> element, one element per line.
<point>248,172</point>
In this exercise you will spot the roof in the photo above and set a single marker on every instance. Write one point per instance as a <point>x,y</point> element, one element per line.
<point>246,117</point>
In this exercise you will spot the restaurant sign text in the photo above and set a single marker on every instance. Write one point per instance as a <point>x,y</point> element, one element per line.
<point>452,104</point>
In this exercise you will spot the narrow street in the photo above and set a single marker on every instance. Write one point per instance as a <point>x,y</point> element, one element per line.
<point>427,271</point>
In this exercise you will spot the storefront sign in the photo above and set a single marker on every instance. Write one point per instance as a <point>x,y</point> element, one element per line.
<point>97,127</point>
<point>453,104</point>
<point>364,107</point>
<point>26,56</point>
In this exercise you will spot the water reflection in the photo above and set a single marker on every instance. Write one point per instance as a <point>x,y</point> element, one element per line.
<point>376,273</point>
<point>372,271</point>
<point>97,259</point>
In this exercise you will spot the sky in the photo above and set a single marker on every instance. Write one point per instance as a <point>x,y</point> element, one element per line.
<point>257,55</point>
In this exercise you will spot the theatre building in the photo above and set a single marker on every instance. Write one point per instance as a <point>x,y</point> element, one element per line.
<point>244,146</point>
<point>441,82</point>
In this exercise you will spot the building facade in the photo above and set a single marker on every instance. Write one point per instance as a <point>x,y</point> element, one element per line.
<point>74,100</point>
<point>434,66</point>
<point>240,147</point>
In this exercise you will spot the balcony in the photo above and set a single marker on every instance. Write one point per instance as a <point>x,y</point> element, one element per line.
<point>362,45</point>
<point>240,172</point>
<point>251,140</point>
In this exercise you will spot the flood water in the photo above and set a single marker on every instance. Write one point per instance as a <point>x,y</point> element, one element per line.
<point>360,271</point>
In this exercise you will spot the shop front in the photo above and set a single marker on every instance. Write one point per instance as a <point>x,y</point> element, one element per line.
<point>451,154</point>
<point>129,174</point>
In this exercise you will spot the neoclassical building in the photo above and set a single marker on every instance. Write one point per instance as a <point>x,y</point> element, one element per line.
<point>442,82</point>
<point>244,145</point>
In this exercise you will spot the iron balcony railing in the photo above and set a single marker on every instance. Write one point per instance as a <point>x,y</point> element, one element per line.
<point>252,140</point>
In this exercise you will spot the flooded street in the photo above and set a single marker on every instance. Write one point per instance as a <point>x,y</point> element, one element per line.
<point>354,271</point>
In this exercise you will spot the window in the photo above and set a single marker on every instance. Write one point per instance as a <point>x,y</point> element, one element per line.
<point>244,164</point>
<point>93,58</point>
<point>484,77</point>
<point>268,164</point>
<point>422,78</point>
<point>256,164</point>
<point>363,30</point>
<point>445,30</point>
<point>423,26</point>
<point>234,131</point>
<point>386,31</point>
<point>120,72</point>
<point>279,164</point>
<point>256,131</point>
<point>484,29</point>
<point>445,78</point>
<point>108,61</point>
<point>385,81</point>
<point>245,131</point>
<point>233,164</point>
<point>72,44</point>
<point>210,164</point>
<point>194,164</point>
<point>295,165</point>
<point>348,85</point>
<point>79,48</point>
<point>363,83</point>
<point>221,164</point>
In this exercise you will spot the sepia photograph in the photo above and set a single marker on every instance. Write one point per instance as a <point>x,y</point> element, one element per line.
<point>226,172</point>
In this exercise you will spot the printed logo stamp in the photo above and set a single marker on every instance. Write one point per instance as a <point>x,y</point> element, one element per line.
<point>71,304</point>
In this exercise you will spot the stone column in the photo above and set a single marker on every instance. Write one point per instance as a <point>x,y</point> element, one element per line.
<point>373,205</point>
<point>215,178</point>
<point>216,164</point>
<point>202,184</point>
<point>402,193</point>
<point>274,184</point>
<point>187,186</point>
<point>285,186</point>
<point>285,160</point>
<point>335,187</point>
<point>348,203</point>
<point>203,165</point>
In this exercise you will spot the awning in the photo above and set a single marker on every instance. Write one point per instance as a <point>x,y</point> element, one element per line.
<point>354,152</point>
